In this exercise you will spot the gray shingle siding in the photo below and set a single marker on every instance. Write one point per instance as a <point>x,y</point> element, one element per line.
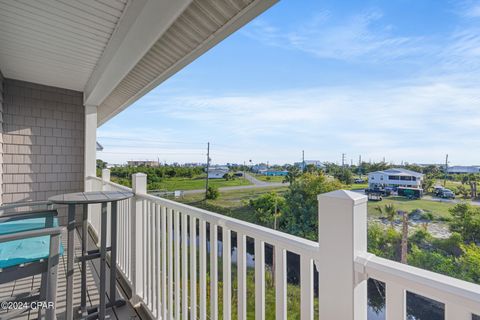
<point>2,81</point>
<point>43,141</point>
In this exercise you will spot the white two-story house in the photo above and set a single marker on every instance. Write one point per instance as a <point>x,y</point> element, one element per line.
<point>395,177</point>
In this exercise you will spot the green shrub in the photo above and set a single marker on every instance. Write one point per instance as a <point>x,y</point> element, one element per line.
<point>212,193</point>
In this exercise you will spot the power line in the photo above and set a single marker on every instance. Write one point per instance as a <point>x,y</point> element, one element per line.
<point>155,153</point>
<point>151,140</point>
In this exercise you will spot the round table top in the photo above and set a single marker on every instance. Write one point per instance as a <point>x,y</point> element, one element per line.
<point>90,197</point>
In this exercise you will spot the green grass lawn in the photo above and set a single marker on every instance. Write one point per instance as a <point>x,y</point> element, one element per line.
<point>173,184</point>
<point>438,209</point>
<point>358,186</point>
<point>233,203</point>
<point>269,178</point>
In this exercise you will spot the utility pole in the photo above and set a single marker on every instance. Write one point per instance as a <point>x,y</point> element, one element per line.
<point>446,171</point>
<point>303,160</point>
<point>360,166</point>
<point>208,166</point>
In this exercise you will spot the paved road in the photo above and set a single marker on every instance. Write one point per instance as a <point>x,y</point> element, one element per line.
<point>430,198</point>
<point>255,185</point>
<point>255,181</point>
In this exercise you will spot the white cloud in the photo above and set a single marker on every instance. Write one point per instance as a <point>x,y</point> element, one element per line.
<point>361,36</point>
<point>401,122</point>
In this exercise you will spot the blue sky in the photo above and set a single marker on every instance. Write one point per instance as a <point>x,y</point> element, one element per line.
<point>397,79</point>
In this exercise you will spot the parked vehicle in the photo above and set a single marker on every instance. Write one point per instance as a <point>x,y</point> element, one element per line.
<point>438,190</point>
<point>375,196</point>
<point>383,192</point>
<point>411,193</point>
<point>359,181</point>
<point>447,194</point>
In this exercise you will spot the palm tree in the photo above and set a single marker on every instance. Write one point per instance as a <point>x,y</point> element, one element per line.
<point>389,210</point>
<point>428,218</point>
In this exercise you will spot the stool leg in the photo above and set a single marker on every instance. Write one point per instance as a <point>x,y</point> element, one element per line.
<point>83,299</point>
<point>70,256</point>
<point>113,252</point>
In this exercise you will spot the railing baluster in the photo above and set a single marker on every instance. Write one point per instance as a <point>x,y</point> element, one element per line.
<point>280,283</point>
<point>144,248</point>
<point>176,234</point>
<point>306,284</point>
<point>213,272</point>
<point>242,275</point>
<point>456,312</point>
<point>193,268</point>
<point>148,289</point>
<point>259,279</point>
<point>164,263</point>
<point>227,273</point>
<point>203,270</point>
<point>184,267</point>
<point>158,286</point>
<point>395,302</point>
<point>170,263</point>
<point>151,258</point>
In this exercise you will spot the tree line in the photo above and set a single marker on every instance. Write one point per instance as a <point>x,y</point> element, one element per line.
<point>296,212</point>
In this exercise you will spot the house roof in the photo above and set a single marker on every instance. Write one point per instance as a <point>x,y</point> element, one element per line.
<point>114,51</point>
<point>398,172</point>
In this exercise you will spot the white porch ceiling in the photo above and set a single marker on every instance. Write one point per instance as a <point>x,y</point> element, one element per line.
<point>114,51</point>
<point>56,42</point>
<point>202,25</point>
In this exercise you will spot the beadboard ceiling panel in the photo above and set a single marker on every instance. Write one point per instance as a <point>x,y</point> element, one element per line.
<point>56,42</point>
<point>199,27</point>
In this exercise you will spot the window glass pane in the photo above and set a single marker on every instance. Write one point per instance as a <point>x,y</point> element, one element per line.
<point>423,308</point>
<point>376,300</point>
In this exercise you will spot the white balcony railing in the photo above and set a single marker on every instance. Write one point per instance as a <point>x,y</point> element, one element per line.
<point>163,259</point>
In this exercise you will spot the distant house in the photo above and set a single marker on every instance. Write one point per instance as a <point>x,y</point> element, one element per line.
<point>316,163</point>
<point>463,169</point>
<point>143,163</point>
<point>396,177</point>
<point>259,168</point>
<point>217,173</point>
<point>275,173</point>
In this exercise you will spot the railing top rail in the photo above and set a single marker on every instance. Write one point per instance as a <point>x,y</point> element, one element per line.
<point>291,243</point>
<point>113,184</point>
<point>286,241</point>
<point>430,284</point>
<point>94,178</point>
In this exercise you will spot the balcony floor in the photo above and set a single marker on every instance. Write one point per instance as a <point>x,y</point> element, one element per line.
<point>31,283</point>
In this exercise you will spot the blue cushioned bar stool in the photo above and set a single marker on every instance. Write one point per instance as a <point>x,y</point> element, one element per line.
<point>30,245</point>
<point>86,198</point>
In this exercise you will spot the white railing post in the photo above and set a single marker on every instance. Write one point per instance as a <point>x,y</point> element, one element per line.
<point>139,187</point>
<point>90,152</point>
<point>342,236</point>
<point>105,175</point>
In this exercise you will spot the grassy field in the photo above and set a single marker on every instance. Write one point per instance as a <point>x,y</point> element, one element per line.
<point>269,178</point>
<point>358,186</point>
<point>172,184</point>
<point>438,209</point>
<point>231,203</point>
